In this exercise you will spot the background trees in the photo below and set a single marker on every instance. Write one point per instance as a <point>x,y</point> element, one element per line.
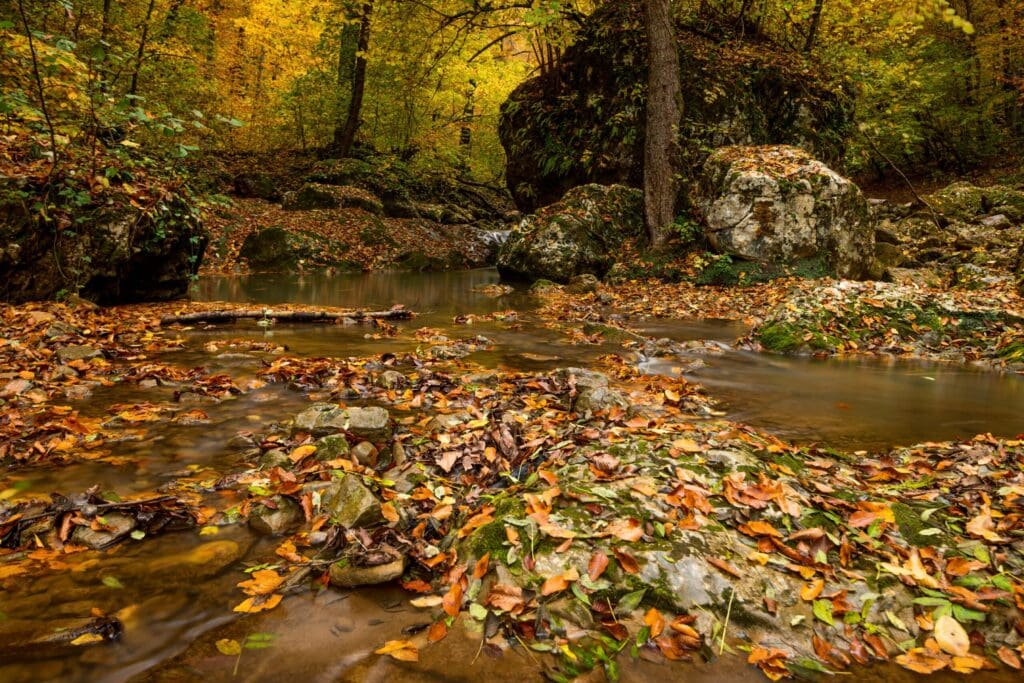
<point>939,83</point>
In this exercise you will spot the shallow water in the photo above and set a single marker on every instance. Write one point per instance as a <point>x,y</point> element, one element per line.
<point>177,609</point>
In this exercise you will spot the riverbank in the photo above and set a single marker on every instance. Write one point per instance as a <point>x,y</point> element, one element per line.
<point>825,318</point>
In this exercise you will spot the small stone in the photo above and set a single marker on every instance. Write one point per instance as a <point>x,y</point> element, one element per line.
<point>365,454</point>
<point>274,458</point>
<point>15,387</point>
<point>77,352</point>
<point>332,447</point>
<point>586,283</point>
<point>241,442</point>
<point>312,420</point>
<point>273,522</point>
<point>117,526</point>
<point>346,574</point>
<point>397,454</point>
<point>390,379</point>
<point>78,392</point>
<point>372,424</point>
<point>998,221</point>
<point>350,503</point>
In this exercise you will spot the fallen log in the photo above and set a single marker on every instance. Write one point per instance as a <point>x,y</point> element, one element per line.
<point>289,316</point>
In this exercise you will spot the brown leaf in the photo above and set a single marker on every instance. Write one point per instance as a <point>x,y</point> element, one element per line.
<point>598,563</point>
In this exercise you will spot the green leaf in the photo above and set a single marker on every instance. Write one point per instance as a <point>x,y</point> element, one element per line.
<point>630,601</point>
<point>138,534</point>
<point>823,611</point>
<point>577,590</point>
<point>477,611</point>
<point>931,602</point>
<point>112,582</point>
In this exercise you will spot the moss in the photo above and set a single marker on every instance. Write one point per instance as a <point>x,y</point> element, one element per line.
<point>781,337</point>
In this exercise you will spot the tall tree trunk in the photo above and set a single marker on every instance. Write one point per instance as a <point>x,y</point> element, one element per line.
<point>812,32</point>
<point>664,111</point>
<point>348,49</point>
<point>355,104</point>
<point>134,87</point>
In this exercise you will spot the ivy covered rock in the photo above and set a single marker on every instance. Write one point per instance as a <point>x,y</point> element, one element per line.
<point>115,252</point>
<point>583,121</point>
<point>777,204</point>
<point>583,233</point>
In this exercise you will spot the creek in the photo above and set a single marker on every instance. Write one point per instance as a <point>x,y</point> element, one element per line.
<point>175,593</point>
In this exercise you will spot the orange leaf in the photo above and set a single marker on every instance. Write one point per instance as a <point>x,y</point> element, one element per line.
<point>453,599</point>
<point>655,621</point>
<point>812,590</point>
<point>598,563</point>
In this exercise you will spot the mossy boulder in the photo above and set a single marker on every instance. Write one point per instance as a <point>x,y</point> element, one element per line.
<point>317,196</point>
<point>583,121</point>
<point>115,252</point>
<point>967,202</point>
<point>275,249</point>
<point>777,204</point>
<point>583,233</point>
<point>350,503</point>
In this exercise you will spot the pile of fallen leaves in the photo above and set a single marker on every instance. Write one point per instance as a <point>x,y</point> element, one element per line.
<point>520,513</point>
<point>888,319</point>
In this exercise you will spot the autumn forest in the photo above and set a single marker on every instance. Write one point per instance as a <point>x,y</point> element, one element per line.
<point>568,340</point>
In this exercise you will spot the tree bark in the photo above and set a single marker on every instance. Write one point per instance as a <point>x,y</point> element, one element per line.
<point>134,87</point>
<point>345,140</point>
<point>664,111</point>
<point>812,32</point>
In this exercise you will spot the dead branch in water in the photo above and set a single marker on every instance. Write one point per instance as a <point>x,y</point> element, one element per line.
<point>288,316</point>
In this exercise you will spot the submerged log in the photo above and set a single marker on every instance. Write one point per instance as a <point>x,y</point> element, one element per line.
<point>226,316</point>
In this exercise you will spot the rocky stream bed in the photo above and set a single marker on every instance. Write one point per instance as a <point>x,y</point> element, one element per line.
<point>505,486</point>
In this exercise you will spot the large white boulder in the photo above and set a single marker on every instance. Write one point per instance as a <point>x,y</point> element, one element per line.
<point>777,204</point>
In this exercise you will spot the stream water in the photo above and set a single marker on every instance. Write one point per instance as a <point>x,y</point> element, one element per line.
<point>175,593</point>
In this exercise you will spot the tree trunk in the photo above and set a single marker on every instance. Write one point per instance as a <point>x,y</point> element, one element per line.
<point>355,105</point>
<point>134,87</point>
<point>664,111</point>
<point>348,49</point>
<point>812,32</point>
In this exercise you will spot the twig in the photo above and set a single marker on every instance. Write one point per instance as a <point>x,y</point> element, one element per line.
<point>39,87</point>
<point>877,150</point>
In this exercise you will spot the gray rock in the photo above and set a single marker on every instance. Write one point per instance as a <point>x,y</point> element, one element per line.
<point>119,526</point>
<point>372,423</point>
<point>350,503</point>
<point>332,447</point>
<point>583,284</point>
<point>346,574</point>
<point>801,211</point>
<point>313,420</point>
<point>271,521</point>
<point>998,221</point>
<point>390,379</point>
<point>274,458</point>
<point>582,233</point>
<point>77,352</point>
<point>365,454</point>
<point>598,399</point>
<point>889,255</point>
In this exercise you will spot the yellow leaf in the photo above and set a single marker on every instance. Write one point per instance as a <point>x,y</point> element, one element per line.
<point>258,604</point>
<point>402,650</point>
<point>302,452</point>
<point>87,639</point>
<point>951,636</point>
